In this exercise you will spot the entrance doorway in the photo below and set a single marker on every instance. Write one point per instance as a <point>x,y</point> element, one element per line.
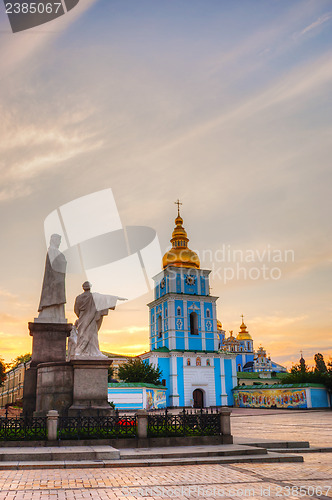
<point>198,397</point>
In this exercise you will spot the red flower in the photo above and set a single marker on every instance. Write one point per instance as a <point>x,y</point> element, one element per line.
<point>126,422</point>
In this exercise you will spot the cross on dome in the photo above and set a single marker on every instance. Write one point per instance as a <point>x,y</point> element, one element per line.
<point>178,203</point>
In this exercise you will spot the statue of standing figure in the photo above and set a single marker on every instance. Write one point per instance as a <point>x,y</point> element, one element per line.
<point>90,308</point>
<point>53,295</point>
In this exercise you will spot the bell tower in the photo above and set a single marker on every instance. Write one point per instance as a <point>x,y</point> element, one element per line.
<point>183,313</point>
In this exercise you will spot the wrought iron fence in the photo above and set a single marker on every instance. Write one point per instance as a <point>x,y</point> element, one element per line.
<point>184,424</point>
<point>24,427</point>
<point>103,427</point>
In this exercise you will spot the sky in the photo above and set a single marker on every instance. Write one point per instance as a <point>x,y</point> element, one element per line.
<point>225,105</point>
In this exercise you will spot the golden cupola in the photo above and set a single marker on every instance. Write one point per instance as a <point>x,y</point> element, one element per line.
<point>243,333</point>
<point>180,255</point>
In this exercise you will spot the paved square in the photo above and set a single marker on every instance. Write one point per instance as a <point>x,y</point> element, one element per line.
<point>311,479</point>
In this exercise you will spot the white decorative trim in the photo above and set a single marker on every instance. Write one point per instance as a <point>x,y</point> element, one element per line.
<point>234,373</point>
<point>203,327</point>
<point>308,395</point>
<point>173,376</point>
<point>185,325</point>
<point>193,306</point>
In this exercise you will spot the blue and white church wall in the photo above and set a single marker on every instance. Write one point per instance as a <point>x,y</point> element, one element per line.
<point>242,359</point>
<point>215,374</point>
<point>126,396</point>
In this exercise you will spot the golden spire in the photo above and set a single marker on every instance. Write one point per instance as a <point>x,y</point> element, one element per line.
<point>243,333</point>
<point>180,255</point>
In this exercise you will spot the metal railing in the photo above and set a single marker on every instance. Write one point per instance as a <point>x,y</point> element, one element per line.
<point>194,423</point>
<point>23,428</point>
<point>103,427</point>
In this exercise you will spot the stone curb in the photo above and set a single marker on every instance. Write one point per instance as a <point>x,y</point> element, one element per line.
<point>162,462</point>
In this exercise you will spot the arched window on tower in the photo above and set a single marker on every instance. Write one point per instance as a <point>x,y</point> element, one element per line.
<point>159,321</point>
<point>193,323</point>
<point>208,313</point>
<point>178,311</point>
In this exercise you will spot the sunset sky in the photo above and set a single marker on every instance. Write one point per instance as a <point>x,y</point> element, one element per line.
<point>225,105</point>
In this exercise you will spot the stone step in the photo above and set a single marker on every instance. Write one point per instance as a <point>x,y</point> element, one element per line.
<point>265,443</point>
<point>190,452</point>
<point>312,449</point>
<point>50,453</point>
<point>161,462</point>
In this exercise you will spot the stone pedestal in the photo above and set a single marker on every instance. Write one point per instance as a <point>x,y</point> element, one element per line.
<point>29,390</point>
<point>54,388</point>
<point>90,393</point>
<point>48,345</point>
<point>49,342</point>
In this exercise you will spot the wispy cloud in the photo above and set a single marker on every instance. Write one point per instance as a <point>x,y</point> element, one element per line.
<point>19,47</point>
<point>8,319</point>
<point>129,329</point>
<point>295,85</point>
<point>264,40</point>
<point>137,348</point>
<point>321,20</point>
<point>34,149</point>
<point>7,295</point>
<point>275,321</point>
<point>130,350</point>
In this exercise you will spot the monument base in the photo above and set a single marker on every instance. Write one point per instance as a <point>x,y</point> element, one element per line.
<point>90,393</point>
<point>48,345</point>
<point>54,388</point>
<point>29,390</point>
<point>49,342</point>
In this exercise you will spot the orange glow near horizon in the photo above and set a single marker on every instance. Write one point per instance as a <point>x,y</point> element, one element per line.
<point>19,343</point>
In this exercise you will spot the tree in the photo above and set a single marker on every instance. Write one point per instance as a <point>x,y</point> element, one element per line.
<point>301,374</point>
<point>329,364</point>
<point>2,371</point>
<point>24,358</point>
<point>110,373</point>
<point>136,370</point>
<point>320,363</point>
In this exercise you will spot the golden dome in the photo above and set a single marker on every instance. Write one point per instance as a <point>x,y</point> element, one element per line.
<point>243,333</point>
<point>180,255</point>
<point>219,325</point>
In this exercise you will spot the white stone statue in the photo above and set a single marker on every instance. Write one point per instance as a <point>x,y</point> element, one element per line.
<point>53,295</point>
<point>90,309</point>
<point>72,342</point>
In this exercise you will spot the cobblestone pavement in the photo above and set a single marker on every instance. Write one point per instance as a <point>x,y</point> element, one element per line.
<point>295,425</point>
<point>311,479</point>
